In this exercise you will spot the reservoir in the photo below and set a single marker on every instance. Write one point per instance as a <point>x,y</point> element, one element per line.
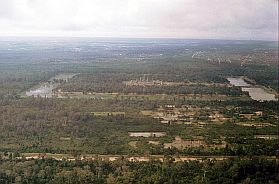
<point>256,93</point>
<point>238,82</point>
<point>45,89</point>
<point>259,94</point>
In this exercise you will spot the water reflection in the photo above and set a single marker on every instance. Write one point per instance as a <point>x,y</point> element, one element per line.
<point>46,89</point>
<point>238,82</point>
<point>259,94</point>
<point>255,93</point>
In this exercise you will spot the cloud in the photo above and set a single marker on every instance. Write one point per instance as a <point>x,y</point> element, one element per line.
<point>230,19</point>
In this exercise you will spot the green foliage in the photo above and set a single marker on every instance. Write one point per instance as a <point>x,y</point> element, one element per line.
<point>50,171</point>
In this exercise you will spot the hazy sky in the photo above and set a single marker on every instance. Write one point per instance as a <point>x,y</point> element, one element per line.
<point>224,19</point>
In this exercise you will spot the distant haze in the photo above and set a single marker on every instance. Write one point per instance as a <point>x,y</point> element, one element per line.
<point>213,19</point>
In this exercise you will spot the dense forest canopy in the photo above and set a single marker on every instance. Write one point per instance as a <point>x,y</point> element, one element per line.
<point>159,100</point>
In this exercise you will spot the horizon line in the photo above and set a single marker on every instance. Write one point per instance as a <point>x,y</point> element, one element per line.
<point>152,38</point>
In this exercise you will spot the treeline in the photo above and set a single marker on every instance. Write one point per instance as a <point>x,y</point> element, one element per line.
<point>102,87</point>
<point>245,170</point>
